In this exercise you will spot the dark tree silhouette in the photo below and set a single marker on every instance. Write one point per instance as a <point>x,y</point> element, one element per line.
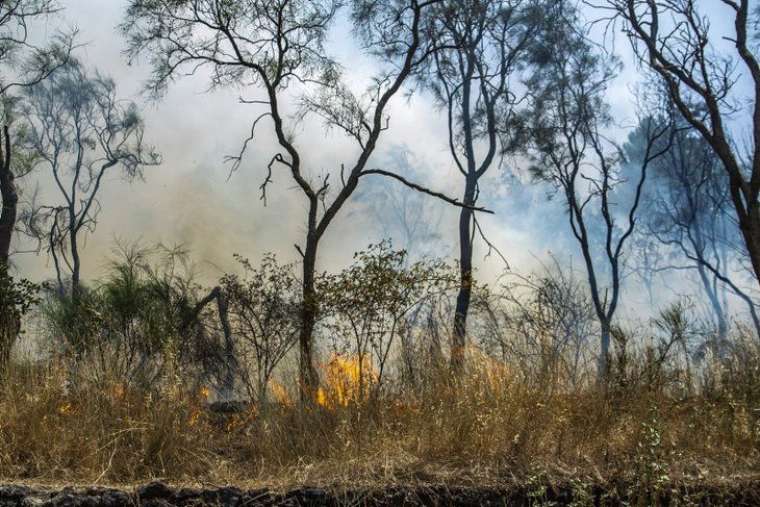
<point>474,78</point>
<point>687,210</point>
<point>22,64</point>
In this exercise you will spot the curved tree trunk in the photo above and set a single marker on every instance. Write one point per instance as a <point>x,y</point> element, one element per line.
<point>459,337</point>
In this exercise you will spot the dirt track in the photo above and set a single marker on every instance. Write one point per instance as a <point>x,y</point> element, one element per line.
<point>159,495</point>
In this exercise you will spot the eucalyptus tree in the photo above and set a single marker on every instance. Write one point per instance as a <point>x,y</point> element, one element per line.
<point>80,132</point>
<point>675,38</point>
<point>572,152</point>
<point>474,77</point>
<point>273,46</point>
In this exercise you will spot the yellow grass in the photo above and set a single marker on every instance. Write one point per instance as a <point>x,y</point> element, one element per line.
<point>492,426</point>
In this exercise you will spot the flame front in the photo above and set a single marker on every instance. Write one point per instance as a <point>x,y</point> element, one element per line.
<point>347,380</point>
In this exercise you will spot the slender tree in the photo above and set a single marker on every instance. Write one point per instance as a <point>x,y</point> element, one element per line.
<point>271,46</point>
<point>474,78</point>
<point>573,154</point>
<point>22,64</point>
<point>80,132</point>
<point>675,39</point>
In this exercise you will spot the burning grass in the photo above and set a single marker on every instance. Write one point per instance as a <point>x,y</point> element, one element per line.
<point>492,427</point>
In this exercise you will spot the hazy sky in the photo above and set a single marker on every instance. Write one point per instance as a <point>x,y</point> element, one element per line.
<point>189,198</point>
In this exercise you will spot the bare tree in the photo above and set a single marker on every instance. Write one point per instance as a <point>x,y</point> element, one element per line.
<point>473,77</point>
<point>676,41</point>
<point>542,321</point>
<point>80,131</point>
<point>572,153</point>
<point>272,45</point>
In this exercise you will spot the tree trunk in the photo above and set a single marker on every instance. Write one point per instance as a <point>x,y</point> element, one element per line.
<point>230,358</point>
<point>749,225</point>
<point>309,308</point>
<point>459,337</point>
<point>76,262</point>
<point>604,352</point>
<point>10,324</point>
<point>10,199</point>
<point>717,307</point>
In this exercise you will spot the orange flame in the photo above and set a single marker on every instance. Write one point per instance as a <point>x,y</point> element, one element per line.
<point>66,409</point>
<point>280,393</point>
<point>347,380</point>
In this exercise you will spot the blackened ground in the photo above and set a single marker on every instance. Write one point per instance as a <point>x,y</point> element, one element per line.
<point>736,493</point>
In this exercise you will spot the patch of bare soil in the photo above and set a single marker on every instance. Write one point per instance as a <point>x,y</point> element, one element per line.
<point>156,494</point>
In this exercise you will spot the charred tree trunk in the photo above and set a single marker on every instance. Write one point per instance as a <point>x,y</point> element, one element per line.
<point>309,308</point>
<point>76,261</point>
<point>10,199</point>
<point>230,358</point>
<point>9,321</point>
<point>464,297</point>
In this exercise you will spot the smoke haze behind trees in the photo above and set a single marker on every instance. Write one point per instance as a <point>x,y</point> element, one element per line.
<point>193,199</point>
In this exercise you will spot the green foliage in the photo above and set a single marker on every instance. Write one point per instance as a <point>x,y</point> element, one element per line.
<point>130,322</point>
<point>17,296</point>
<point>71,323</point>
<point>366,304</point>
<point>264,314</point>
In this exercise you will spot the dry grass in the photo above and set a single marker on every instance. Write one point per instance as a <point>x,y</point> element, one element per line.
<point>493,427</point>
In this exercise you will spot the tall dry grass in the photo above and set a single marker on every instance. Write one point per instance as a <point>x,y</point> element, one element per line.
<point>123,394</point>
<point>493,425</point>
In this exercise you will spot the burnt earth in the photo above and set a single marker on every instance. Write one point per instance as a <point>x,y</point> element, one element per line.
<point>157,494</point>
